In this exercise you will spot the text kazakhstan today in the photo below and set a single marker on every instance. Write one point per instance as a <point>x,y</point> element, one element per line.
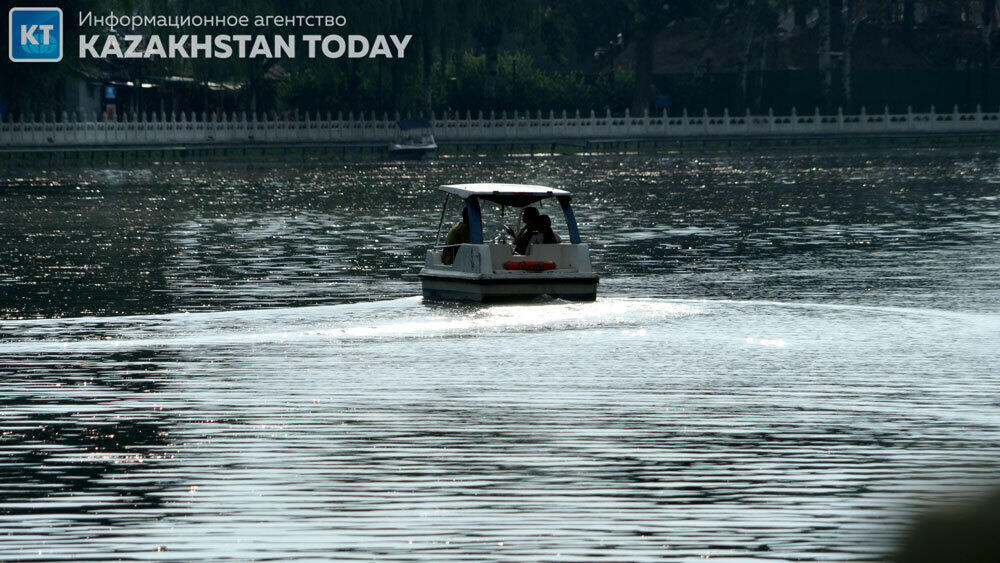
<point>224,46</point>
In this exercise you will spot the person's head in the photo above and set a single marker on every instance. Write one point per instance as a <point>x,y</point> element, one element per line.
<point>544,222</point>
<point>529,215</point>
<point>465,214</point>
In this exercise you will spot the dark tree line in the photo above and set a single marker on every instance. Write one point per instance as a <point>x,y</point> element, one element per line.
<point>479,55</point>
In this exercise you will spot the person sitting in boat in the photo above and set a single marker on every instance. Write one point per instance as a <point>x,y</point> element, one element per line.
<point>523,237</point>
<point>544,234</point>
<point>459,234</point>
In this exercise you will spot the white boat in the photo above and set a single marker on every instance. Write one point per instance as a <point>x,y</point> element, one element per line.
<point>484,271</point>
<point>414,139</point>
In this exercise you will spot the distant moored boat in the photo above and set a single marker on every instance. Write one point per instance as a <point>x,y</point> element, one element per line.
<point>414,139</point>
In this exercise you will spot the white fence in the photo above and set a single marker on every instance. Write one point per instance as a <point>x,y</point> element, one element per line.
<point>186,130</point>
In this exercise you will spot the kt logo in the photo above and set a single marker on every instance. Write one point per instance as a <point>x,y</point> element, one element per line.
<point>35,35</point>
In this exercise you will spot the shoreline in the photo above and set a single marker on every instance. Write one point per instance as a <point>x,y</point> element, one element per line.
<point>320,153</point>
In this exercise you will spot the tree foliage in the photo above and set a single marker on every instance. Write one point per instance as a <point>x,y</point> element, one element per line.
<point>479,55</point>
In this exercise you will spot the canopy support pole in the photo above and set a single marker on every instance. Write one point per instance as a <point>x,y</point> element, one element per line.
<point>475,220</point>
<point>574,232</point>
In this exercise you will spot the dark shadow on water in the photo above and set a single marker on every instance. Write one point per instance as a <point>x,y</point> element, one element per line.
<point>81,427</point>
<point>967,532</point>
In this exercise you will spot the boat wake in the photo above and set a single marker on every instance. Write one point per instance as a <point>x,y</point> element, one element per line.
<point>412,318</point>
<point>393,319</point>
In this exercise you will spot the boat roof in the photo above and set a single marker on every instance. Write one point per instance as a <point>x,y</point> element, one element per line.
<point>516,195</point>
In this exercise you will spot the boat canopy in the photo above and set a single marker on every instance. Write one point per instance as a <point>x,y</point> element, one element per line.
<point>414,123</point>
<point>514,195</point>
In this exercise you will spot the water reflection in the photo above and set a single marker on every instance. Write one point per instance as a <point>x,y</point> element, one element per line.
<point>848,382</point>
<point>624,427</point>
<point>75,431</point>
<point>784,226</point>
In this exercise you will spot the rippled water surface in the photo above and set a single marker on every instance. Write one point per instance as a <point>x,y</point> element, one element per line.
<point>789,356</point>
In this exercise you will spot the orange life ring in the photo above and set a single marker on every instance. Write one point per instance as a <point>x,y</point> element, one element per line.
<point>530,265</point>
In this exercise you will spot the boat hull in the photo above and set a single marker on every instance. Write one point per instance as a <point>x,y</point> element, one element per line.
<point>409,152</point>
<point>491,290</point>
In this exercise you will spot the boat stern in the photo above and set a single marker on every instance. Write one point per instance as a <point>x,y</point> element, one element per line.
<point>492,272</point>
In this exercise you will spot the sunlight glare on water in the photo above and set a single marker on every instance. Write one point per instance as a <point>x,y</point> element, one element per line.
<point>790,355</point>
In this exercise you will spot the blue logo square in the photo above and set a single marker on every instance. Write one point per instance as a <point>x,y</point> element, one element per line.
<point>35,35</point>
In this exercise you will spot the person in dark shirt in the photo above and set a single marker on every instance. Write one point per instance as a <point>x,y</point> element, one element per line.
<point>544,233</point>
<point>523,236</point>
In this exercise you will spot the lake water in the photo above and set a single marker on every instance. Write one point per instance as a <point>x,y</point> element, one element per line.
<point>790,355</point>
